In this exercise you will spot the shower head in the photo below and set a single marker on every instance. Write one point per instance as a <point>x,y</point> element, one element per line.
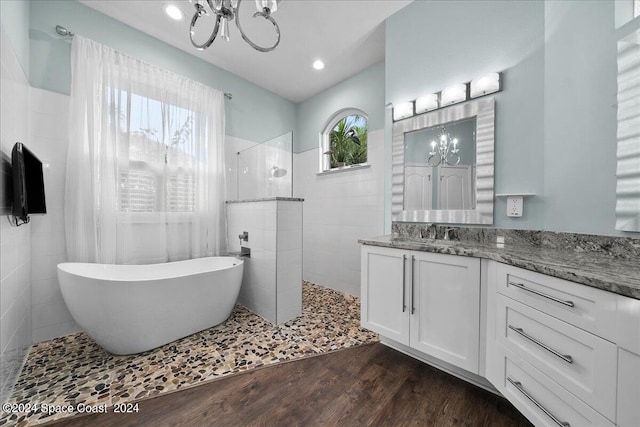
<point>277,172</point>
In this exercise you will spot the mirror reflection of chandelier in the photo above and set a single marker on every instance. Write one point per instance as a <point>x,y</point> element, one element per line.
<point>444,151</point>
<point>223,11</point>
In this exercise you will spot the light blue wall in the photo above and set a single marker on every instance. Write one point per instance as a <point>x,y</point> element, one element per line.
<point>364,91</point>
<point>555,119</point>
<point>14,18</point>
<point>580,117</point>
<point>254,113</point>
<point>432,45</point>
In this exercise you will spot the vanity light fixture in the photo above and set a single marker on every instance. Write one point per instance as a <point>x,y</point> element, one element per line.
<point>478,87</point>
<point>427,103</point>
<point>453,94</point>
<point>223,11</point>
<point>173,12</point>
<point>484,85</point>
<point>444,151</point>
<point>403,110</point>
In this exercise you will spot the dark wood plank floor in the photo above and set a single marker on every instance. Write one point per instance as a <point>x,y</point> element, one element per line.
<point>367,385</point>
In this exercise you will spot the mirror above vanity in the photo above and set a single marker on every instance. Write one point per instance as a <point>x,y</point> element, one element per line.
<point>443,165</point>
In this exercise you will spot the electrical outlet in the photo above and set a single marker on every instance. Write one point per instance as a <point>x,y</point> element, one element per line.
<point>514,206</point>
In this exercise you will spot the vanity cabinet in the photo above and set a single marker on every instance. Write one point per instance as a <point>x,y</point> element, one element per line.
<point>562,353</point>
<point>429,302</point>
<point>555,349</point>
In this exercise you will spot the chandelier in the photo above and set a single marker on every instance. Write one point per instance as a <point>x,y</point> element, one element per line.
<point>444,151</point>
<point>225,11</point>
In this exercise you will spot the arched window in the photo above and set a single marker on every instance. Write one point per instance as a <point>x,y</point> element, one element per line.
<point>343,142</point>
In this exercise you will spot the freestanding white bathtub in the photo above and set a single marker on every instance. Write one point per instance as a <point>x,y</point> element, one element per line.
<point>133,308</point>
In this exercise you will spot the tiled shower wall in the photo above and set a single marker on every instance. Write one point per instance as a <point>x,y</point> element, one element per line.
<point>49,141</point>
<point>32,307</point>
<point>272,278</point>
<point>15,265</point>
<point>339,209</point>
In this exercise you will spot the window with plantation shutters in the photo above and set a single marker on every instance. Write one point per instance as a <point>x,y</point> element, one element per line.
<point>158,175</point>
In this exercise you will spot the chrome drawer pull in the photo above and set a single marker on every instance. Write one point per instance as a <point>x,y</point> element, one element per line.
<point>518,385</point>
<point>542,294</point>
<point>404,272</point>
<point>564,357</point>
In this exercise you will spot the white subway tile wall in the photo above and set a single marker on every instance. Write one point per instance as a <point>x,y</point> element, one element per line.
<point>49,140</point>
<point>15,247</point>
<point>339,209</point>
<point>272,279</point>
<point>289,260</point>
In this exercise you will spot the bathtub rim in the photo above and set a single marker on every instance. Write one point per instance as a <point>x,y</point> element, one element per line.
<point>144,272</point>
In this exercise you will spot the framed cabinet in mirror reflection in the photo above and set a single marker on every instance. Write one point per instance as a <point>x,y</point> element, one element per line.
<point>443,165</point>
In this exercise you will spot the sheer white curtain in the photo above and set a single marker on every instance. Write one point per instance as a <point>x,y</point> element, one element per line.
<point>145,168</point>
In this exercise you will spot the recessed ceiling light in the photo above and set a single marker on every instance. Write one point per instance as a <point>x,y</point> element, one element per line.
<point>173,12</point>
<point>318,65</point>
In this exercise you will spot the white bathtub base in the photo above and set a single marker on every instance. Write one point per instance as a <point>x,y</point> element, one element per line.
<point>130,309</point>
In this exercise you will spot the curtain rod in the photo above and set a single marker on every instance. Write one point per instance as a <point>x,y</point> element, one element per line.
<point>62,31</point>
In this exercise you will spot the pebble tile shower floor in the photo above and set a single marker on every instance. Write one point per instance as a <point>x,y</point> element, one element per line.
<point>74,370</point>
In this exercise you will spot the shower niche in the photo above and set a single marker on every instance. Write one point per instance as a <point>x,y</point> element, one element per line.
<point>259,189</point>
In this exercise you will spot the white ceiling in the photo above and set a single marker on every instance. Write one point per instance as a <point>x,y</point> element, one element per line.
<point>348,35</point>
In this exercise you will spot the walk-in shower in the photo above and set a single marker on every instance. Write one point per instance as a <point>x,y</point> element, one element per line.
<point>262,170</point>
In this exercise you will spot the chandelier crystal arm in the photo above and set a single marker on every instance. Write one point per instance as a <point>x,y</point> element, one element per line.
<point>201,11</point>
<point>244,36</point>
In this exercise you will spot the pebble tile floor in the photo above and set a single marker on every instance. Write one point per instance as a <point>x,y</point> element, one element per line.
<point>73,369</point>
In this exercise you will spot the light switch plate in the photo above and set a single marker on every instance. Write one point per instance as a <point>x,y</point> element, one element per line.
<point>514,206</point>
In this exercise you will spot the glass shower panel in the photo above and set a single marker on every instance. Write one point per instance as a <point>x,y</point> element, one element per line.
<point>265,170</point>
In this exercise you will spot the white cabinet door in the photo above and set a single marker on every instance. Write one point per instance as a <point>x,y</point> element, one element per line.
<point>384,300</point>
<point>445,307</point>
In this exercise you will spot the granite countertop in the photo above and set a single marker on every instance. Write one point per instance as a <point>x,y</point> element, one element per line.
<point>598,270</point>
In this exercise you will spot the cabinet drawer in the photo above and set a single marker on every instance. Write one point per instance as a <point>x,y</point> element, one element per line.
<point>591,309</point>
<point>540,399</point>
<point>581,362</point>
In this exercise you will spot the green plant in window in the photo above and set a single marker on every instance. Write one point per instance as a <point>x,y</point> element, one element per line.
<point>348,142</point>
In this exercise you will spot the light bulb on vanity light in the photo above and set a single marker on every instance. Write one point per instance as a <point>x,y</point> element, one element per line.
<point>403,110</point>
<point>453,94</point>
<point>488,83</point>
<point>427,103</point>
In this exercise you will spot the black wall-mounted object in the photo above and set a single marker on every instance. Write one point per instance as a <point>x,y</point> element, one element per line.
<point>28,184</point>
<point>6,184</point>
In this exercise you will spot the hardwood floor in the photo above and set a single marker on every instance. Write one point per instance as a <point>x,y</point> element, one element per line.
<point>366,385</point>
